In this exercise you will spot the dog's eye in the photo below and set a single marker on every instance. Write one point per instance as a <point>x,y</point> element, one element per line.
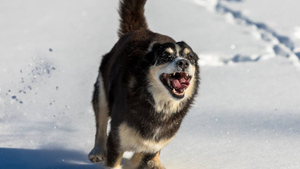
<point>189,56</point>
<point>166,57</point>
<point>166,54</point>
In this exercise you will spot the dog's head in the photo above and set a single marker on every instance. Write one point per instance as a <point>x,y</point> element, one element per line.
<point>173,73</point>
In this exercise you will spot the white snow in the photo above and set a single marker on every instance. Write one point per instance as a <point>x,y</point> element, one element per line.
<point>247,115</point>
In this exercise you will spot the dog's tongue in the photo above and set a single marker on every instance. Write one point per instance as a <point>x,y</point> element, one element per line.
<point>180,83</point>
<point>176,84</point>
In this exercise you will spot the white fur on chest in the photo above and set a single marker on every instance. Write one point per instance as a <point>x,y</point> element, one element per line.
<point>131,140</point>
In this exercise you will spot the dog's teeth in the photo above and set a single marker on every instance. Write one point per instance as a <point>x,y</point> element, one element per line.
<point>182,91</point>
<point>186,74</point>
<point>174,73</point>
<point>169,83</point>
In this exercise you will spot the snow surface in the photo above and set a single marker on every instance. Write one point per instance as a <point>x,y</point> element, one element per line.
<point>247,115</point>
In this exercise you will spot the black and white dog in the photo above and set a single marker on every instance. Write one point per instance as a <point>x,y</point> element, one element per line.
<point>146,84</point>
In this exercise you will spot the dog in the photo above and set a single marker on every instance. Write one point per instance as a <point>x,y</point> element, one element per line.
<point>146,85</point>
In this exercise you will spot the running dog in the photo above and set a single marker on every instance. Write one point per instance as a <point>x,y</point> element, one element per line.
<point>146,85</point>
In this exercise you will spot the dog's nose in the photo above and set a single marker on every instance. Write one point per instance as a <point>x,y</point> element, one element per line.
<point>183,64</point>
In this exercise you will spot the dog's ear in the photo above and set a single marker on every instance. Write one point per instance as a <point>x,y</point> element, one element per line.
<point>187,50</point>
<point>154,46</point>
<point>158,53</point>
<point>160,48</point>
<point>150,57</point>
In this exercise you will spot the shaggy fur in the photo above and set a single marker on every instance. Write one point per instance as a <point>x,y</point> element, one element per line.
<point>146,85</point>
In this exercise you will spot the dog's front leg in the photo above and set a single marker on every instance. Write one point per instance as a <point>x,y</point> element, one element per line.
<point>100,107</point>
<point>98,153</point>
<point>114,154</point>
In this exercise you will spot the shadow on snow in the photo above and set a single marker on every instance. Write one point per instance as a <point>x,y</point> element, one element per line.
<point>11,158</point>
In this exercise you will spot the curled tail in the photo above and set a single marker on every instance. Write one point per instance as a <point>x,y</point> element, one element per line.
<point>132,16</point>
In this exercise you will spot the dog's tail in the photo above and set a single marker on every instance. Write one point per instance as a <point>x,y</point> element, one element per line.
<point>132,16</point>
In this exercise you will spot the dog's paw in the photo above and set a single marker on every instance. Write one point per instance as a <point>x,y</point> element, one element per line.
<point>154,165</point>
<point>97,155</point>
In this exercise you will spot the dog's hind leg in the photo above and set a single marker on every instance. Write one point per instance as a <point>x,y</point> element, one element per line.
<point>149,161</point>
<point>141,160</point>
<point>101,110</point>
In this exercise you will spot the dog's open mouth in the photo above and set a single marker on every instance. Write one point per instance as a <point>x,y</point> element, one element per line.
<point>176,83</point>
